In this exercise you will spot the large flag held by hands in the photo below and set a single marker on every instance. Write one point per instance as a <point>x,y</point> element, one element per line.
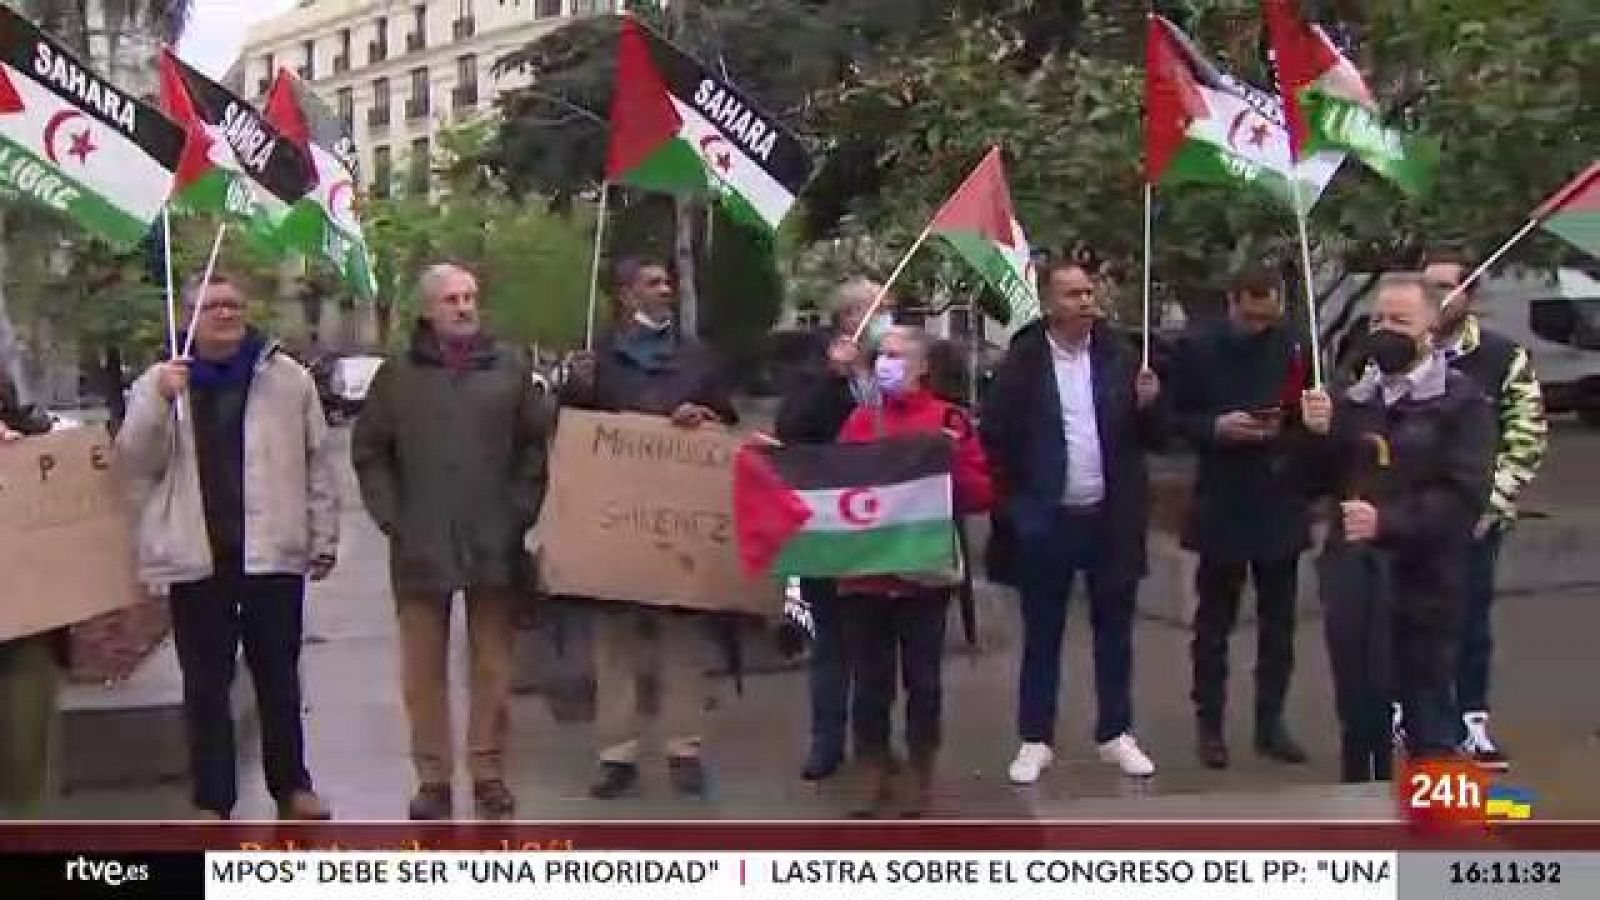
<point>324,222</point>
<point>979,222</point>
<point>72,142</point>
<point>678,127</point>
<point>1203,126</point>
<point>1329,105</point>
<point>235,162</point>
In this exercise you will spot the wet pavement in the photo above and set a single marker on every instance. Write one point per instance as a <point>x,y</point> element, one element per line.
<point>1548,716</point>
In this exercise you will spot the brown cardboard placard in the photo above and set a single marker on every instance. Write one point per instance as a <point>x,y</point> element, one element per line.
<point>642,512</point>
<point>66,540</point>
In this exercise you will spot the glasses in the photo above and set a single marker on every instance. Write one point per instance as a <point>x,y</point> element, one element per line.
<point>1077,293</point>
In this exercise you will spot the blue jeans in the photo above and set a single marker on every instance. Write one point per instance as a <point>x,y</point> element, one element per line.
<point>831,668</point>
<point>1477,639</point>
<point>1049,562</point>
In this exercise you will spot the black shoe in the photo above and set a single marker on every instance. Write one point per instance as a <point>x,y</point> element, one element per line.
<point>616,779</point>
<point>1274,742</point>
<point>432,803</point>
<point>821,764</point>
<point>494,800</point>
<point>688,775</point>
<point>1211,748</point>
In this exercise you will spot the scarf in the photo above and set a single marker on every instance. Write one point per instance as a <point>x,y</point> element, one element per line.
<point>648,349</point>
<point>233,371</point>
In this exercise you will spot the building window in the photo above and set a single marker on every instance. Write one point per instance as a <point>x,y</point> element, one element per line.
<point>341,62</point>
<point>378,115</point>
<point>417,104</point>
<point>308,60</point>
<point>418,38</point>
<point>547,9</point>
<point>591,7</point>
<point>465,25</point>
<point>466,92</point>
<point>421,166</point>
<point>382,171</point>
<point>378,50</point>
<point>345,103</point>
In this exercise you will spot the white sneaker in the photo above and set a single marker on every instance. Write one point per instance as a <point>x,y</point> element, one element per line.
<point>1031,760</point>
<point>1479,746</point>
<point>1124,751</point>
<point>1397,724</point>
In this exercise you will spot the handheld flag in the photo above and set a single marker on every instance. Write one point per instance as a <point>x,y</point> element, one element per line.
<point>73,142</point>
<point>1205,126</point>
<point>1329,105</point>
<point>979,222</point>
<point>235,162</point>
<point>678,127</point>
<point>1573,213</point>
<point>324,222</point>
<point>833,510</point>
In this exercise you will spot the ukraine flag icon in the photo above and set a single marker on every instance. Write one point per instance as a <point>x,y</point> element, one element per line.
<point>1509,803</point>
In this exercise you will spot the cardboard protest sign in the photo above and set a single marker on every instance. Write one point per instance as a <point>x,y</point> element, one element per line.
<point>642,512</point>
<point>66,540</point>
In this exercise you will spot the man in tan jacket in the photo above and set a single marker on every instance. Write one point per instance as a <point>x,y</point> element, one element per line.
<point>227,463</point>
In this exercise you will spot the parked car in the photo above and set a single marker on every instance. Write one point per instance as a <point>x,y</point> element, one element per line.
<point>342,384</point>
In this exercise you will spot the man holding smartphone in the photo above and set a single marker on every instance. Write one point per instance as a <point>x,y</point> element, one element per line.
<point>1235,400</point>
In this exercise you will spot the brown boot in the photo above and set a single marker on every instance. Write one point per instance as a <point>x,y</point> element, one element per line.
<point>920,796</point>
<point>876,788</point>
<point>304,806</point>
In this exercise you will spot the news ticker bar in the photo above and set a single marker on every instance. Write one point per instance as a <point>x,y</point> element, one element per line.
<point>1382,875</point>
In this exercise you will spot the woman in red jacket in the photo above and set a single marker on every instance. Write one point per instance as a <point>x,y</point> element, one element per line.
<point>890,617</point>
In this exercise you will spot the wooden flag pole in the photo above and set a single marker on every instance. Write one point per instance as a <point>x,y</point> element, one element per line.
<point>1313,337</point>
<point>1487,264</point>
<point>594,265</point>
<point>172,296</point>
<point>1149,191</point>
<point>893,277</point>
<point>205,282</point>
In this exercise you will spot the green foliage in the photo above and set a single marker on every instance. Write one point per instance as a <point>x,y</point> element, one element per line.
<point>532,263</point>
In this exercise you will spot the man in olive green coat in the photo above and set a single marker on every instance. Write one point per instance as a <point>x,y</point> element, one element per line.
<point>449,451</point>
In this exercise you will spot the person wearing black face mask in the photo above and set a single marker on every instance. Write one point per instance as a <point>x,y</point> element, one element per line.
<point>1406,514</point>
<point>1250,515</point>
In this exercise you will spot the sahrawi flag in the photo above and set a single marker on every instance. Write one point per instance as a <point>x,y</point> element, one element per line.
<point>73,143</point>
<point>1573,213</point>
<point>979,222</point>
<point>1204,126</point>
<point>235,162</point>
<point>833,510</point>
<point>1329,104</point>
<point>676,127</point>
<point>324,222</point>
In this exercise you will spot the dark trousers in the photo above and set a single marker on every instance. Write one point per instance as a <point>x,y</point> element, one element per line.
<point>1049,564</point>
<point>830,668</point>
<point>1219,585</point>
<point>1426,651</point>
<point>210,619</point>
<point>889,633</point>
<point>1477,638</point>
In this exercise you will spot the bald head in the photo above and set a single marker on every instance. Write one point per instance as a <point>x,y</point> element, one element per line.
<point>450,300</point>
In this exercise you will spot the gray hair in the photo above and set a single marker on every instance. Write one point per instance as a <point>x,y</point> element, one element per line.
<point>854,292</point>
<point>1432,296</point>
<point>432,278</point>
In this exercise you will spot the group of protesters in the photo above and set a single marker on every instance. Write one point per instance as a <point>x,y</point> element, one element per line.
<point>1422,447</point>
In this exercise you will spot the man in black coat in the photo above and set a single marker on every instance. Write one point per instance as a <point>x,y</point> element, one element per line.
<point>648,366</point>
<point>1065,426</point>
<point>813,409</point>
<point>1250,511</point>
<point>1415,509</point>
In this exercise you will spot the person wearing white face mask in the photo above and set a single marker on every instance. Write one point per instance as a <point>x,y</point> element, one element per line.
<point>814,408</point>
<point>647,366</point>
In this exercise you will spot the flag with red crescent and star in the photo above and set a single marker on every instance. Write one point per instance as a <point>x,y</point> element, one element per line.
<point>325,222</point>
<point>678,127</point>
<point>72,141</point>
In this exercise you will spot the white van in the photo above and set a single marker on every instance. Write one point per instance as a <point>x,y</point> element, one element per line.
<point>1556,315</point>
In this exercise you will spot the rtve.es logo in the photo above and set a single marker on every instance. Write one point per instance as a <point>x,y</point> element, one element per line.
<point>110,872</point>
